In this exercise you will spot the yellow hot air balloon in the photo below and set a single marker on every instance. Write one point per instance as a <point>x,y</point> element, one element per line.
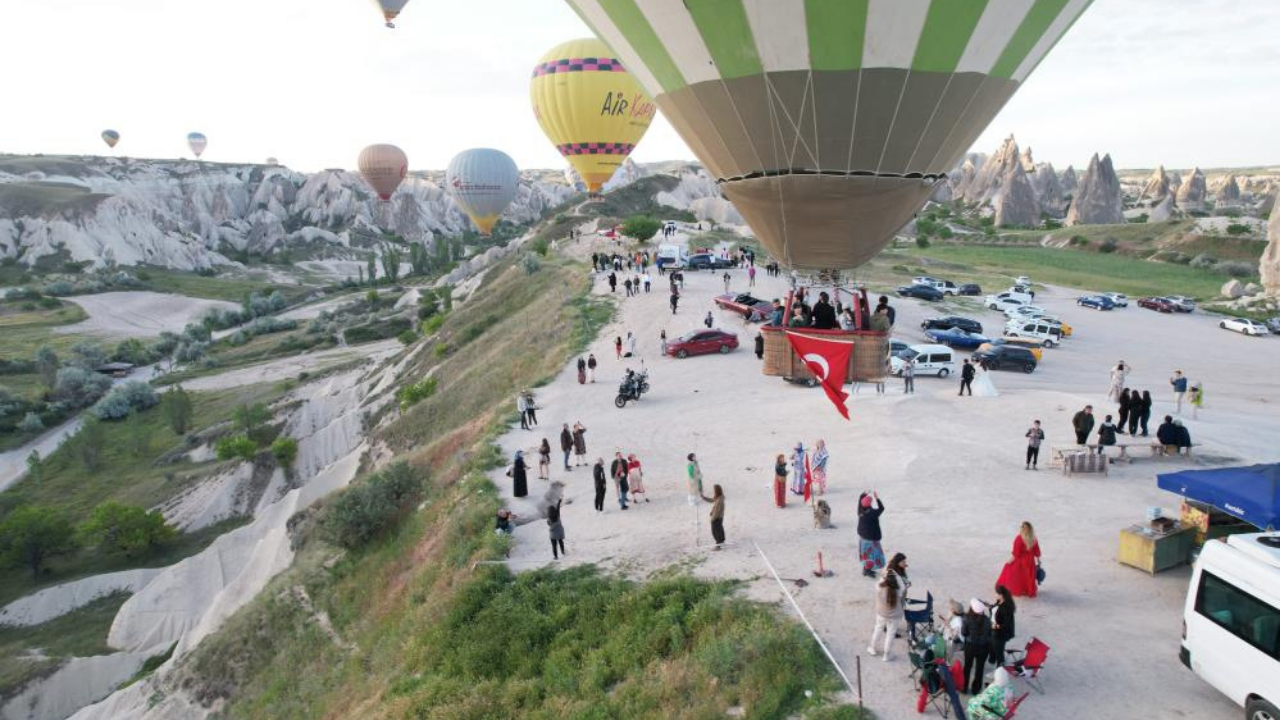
<point>590,107</point>
<point>383,167</point>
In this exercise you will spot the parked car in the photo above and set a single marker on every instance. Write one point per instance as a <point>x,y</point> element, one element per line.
<point>1035,346</point>
<point>1059,327</point>
<point>897,346</point>
<point>956,337</point>
<point>1043,332</point>
<point>1097,302</point>
<point>1024,289</point>
<point>1244,326</point>
<point>748,306</point>
<point>1158,304</point>
<point>1273,325</point>
<point>953,321</point>
<point>1004,303</point>
<point>1120,299</point>
<point>1007,357</point>
<point>969,289</point>
<point>925,280</point>
<point>1182,303</point>
<point>707,261</point>
<point>922,292</point>
<point>1024,312</point>
<point>702,342</point>
<point>937,360</point>
<point>1022,280</point>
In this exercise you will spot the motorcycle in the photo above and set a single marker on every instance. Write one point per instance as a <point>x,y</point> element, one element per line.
<point>632,387</point>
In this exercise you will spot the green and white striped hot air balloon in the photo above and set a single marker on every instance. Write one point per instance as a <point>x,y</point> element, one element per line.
<point>828,122</point>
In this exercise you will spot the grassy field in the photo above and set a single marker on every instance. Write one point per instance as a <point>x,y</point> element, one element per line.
<point>22,332</point>
<point>228,287</point>
<point>419,631</point>
<point>993,267</point>
<point>28,652</point>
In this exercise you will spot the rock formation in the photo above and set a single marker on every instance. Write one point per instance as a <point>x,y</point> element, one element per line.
<point>1229,193</point>
<point>1049,190</point>
<point>1097,200</point>
<point>1015,202</point>
<point>699,194</point>
<point>1191,195</point>
<point>1233,289</point>
<point>1164,211</point>
<point>963,179</point>
<point>1028,162</point>
<point>986,183</point>
<point>1156,189</point>
<point>1269,266</point>
<point>1068,180</point>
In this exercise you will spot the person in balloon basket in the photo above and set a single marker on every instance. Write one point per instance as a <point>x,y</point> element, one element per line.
<point>883,304</point>
<point>824,316</point>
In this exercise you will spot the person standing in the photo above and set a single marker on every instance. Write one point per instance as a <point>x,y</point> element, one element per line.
<point>1035,436</point>
<point>531,408</point>
<point>597,474</point>
<point>709,321</point>
<point>780,481</point>
<point>626,284</point>
<point>1106,435</point>
<point>1126,404</point>
<point>613,282</point>
<point>591,367</point>
<point>662,341</point>
<point>566,444</point>
<point>824,316</point>
<point>631,345</point>
<point>694,472</point>
<point>648,280</point>
<point>797,469</point>
<point>1197,400</point>
<point>556,529</point>
<point>675,297</point>
<point>1179,384</point>
<point>544,460</point>
<point>519,475</point>
<point>717,515</point>
<point>1145,412</point>
<point>976,630</point>
<point>582,371</point>
<point>870,554</point>
<point>891,594</point>
<point>966,378</point>
<point>884,303</point>
<point>617,347</point>
<point>751,276</point>
<point>618,470</point>
<point>1082,423</point>
<point>909,376</point>
<point>1002,624</point>
<point>726,281</point>
<point>635,479</point>
<point>1118,375</point>
<point>818,470</point>
<point>759,346</point>
<point>522,407</point>
<point>1019,572</point>
<point>579,443</point>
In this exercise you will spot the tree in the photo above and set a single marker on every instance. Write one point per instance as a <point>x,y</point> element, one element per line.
<point>177,409</point>
<point>371,265</point>
<point>88,355</point>
<point>251,418</point>
<point>30,535</point>
<point>391,263</point>
<point>87,444</point>
<point>285,451</point>
<point>114,527</point>
<point>419,259</point>
<point>236,446</point>
<point>641,227</point>
<point>35,468</point>
<point>31,423</point>
<point>47,365</point>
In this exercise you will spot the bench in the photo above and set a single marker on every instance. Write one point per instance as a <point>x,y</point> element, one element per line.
<point>1124,455</point>
<point>1058,453</point>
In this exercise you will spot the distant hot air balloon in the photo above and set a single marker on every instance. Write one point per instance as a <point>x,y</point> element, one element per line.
<point>272,162</point>
<point>828,122</point>
<point>390,9</point>
<point>197,142</point>
<point>110,137</point>
<point>383,167</point>
<point>590,107</point>
<point>483,182</point>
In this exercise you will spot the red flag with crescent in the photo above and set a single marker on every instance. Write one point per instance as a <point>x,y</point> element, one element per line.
<point>828,360</point>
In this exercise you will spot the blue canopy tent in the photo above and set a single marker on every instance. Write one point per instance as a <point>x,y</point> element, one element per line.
<point>1249,493</point>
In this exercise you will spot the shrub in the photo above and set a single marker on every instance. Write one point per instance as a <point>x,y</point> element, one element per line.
<point>366,509</point>
<point>1108,246</point>
<point>409,395</point>
<point>117,528</point>
<point>236,446</point>
<point>31,423</point>
<point>87,355</point>
<point>178,410</point>
<point>382,330</point>
<point>408,337</point>
<point>1236,268</point>
<point>1204,261</point>
<point>540,246</point>
<point>1238,229</point>
<point>945,232</point>
<point>30,535</point>
<point>529,263</point>
<point>189,352</point>
<point>441,350</point>
<point>641,227</point>
<point>79,386</point>
<point>925,227</point>
<point>285,451</point>
<point>1078,240</point>
<point>61,288</point>
<point>922,241</point>
<point>125,399</point>
<point>433,325</point>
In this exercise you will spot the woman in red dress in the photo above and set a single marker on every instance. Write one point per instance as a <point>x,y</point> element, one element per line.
<point>1019,573</point>
<point>780,481</point>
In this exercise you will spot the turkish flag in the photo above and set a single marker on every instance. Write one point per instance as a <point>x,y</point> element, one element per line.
<point>828,360</point>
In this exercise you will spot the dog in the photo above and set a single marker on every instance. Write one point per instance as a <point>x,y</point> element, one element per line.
<point>822,515</point>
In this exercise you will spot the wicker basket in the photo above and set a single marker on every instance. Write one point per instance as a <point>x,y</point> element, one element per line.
<point>866,363</point>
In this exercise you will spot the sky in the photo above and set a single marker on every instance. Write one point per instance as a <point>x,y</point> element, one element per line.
<point>311,82</point>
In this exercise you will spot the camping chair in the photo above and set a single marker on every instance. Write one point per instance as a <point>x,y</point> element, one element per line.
<point>938,688</point>
<point>1029,666</point>
<point>917,617</point>
<point>1013,706</point>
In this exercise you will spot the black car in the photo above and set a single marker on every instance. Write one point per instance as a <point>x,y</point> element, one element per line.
<point>707,261</point>
<point>922,292</point>
<point>969,289</point>
<point>1007,357</point>
<point>946,323</point>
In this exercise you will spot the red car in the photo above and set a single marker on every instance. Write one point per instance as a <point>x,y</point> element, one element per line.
<point>701,342</point>
<point>1158,304</point>
<point>748,306</point>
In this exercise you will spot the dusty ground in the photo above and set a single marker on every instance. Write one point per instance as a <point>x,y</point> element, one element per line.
<point>289,367</point>
<point>950,472</point>
<point>138,313</point>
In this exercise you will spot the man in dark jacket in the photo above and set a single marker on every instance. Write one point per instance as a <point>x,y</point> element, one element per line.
<point>597,474</point>
<point>824,316</point>
<point>966,378</point>
<point>1165,434</point>
<point>618,470</point>
<point>884,303</point>
<point>1083,424</point>
<point>775,317</point>
<point>566,444</point>
<point>613,282</point>
<point>759,346</point>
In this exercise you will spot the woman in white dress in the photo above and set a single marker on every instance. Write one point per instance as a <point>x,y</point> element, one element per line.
<point>1118,375</point>
<point>982,385</point>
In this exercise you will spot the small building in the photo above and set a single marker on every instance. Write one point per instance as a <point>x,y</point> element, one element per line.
<point>116,369</point>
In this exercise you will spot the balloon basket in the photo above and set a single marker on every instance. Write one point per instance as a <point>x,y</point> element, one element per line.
<point>866,363</point>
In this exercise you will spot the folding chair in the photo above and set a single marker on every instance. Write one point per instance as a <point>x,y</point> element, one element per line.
<point>1032,662</point>
<point>938,688</point>
<point>1013,706</point>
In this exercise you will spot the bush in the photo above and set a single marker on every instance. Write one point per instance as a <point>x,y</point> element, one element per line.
<point>922,241</point>
<point>540,246</point>
<point>125,399</point>
<point>408,337</point>
<point>1078,240</point>
<point>1238,229</point>
<point>367,509</point>
<point>79,386</point>
<point>61,288</point>
<point>31,423</point>
<point>377,331</point>
<point>236,446</point>
<point>433,325</point>
<point>1204,261</point>
<point>189,352</point>
<point>1236,268</point>
<point>417,392</point>
<point>1108,246</point>
<point>641,227</point>
<point>117,528</point>
<point>529,263</point>
<point>285,451</point>
<point>30,535</point>
<point>945,232</point>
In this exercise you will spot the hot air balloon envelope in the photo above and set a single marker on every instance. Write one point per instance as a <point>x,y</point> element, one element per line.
<point>110,137</point>
<point>391,9</point>
<point>383,167</point>
<point>827,122</point>
<point>483,182</point>
<point>590,107</point>
<point>197,142</point>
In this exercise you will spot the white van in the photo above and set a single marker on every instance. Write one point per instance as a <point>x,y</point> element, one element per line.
<point>671,256</point>
<point>937,360</point>
<point>1047,334</point>
<point>1231,622</point>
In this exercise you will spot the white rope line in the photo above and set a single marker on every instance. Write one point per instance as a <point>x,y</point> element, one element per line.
<point>853,126</point>
<point>925,133</point>
<point>906,80</point>
<point>959,119</point>
<point>849,684</point>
